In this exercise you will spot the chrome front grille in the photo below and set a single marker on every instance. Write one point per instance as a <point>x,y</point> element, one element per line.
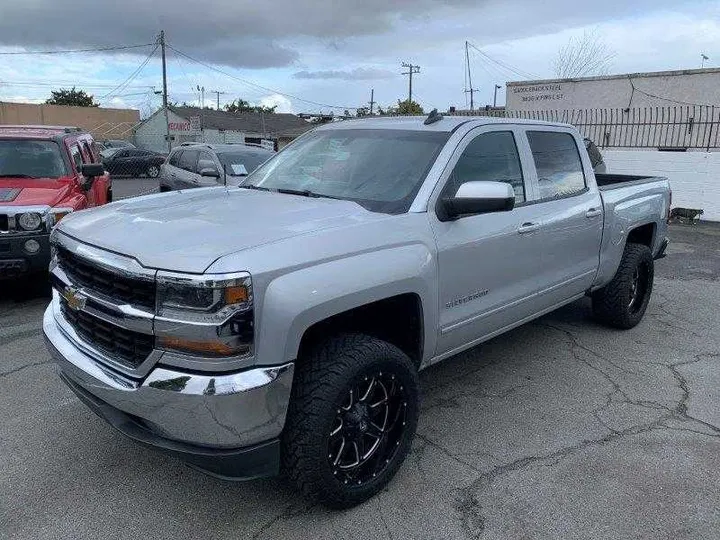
<point>126,290</point>
<point>106,303</point>
<point>125,346</point>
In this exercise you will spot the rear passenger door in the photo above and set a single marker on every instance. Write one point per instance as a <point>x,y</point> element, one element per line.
<point>570,213</point>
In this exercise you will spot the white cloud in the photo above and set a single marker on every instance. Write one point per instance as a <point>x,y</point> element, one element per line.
<point>284,105</point>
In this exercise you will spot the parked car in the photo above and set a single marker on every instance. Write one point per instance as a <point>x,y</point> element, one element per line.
<point>134,162</point>
<point>282,325</point>
<point>117,143</point>
<point>46,172</point>
<point>205,165</point>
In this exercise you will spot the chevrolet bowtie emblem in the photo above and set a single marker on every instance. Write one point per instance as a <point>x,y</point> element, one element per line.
<point>75,300</point>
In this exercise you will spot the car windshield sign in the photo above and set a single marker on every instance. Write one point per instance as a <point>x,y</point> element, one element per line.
<point>242,163</point>
<point>31,159</point>
<point>380,169</point>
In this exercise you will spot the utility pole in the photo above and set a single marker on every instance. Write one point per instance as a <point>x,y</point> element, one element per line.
<point>704,57</point>
<point>497,87</point>
<point>217,93</point>
<point>201,89</point>
<point>472,90</point>
<point>165,95</point>
<point>411,70</point>
<point>372,100</point>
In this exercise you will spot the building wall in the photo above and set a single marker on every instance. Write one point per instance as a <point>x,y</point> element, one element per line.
<point>699,86</point>
<point>694,176</point>
<point>102,123</point>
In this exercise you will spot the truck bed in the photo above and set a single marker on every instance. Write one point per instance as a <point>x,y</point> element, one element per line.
<point>607,181</point>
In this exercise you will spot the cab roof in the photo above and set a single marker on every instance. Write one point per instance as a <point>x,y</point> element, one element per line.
<point>417,123</point>
<point>38,132</point>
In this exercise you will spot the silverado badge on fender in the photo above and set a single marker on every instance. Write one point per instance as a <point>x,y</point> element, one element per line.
<point>75,300</point>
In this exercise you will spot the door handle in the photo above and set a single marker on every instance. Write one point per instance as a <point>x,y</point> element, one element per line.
<point>528,227</point>
<point>593,212</point>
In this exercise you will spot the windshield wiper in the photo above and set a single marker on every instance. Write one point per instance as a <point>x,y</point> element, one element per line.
<point>305,193</point>
<point>18,175</point>
<point>251,186</point>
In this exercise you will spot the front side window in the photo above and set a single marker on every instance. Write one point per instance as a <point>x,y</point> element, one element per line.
<point>558,165</point>
<point>31,159</point>
<point>76,156</point>
<point>380,169</point>
<point>490,157</point>
<point>188,160</point>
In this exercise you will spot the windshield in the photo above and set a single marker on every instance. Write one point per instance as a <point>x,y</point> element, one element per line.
<point>242,163</point>
<point>380,169</point>
<point>31,159</point>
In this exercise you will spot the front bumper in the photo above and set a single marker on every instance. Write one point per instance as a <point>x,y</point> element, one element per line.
<point>227,425</point>
<point>16,261</point>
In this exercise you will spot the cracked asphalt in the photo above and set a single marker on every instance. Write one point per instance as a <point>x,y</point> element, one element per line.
<point>558,429</point>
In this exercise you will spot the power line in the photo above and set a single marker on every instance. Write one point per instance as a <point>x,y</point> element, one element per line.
<point>70,51</point>
<point>132,76</point>
<point>252,84</point>
<point>39,84</point>
<point>507,67</point>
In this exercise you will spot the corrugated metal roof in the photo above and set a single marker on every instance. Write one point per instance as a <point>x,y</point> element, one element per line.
<point>275,124</point>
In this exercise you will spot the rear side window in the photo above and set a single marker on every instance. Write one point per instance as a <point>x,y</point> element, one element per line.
<point>557,160</point>
<point>188,160</point>
<point>491,157</point>
<point>175,159</point>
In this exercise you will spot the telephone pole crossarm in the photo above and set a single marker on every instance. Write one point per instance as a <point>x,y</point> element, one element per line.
<point>411,70</point>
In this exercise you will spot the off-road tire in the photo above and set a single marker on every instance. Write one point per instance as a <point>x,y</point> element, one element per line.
<point>612,304</point>
<point>322,378</point>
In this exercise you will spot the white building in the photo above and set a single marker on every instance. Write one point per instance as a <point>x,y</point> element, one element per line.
<point>206,125</point>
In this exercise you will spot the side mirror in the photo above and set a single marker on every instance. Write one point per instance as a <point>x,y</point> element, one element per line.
<point>90,171</point>
<point>207,168</point>
<point>478,198</point>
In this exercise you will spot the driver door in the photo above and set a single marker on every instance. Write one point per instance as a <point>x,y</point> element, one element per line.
<point>489,264</point>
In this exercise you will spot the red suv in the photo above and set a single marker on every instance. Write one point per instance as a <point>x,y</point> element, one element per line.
<point>46,172</point>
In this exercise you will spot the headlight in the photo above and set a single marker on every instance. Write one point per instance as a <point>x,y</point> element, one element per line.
<point>207,315</point>
<point>58,214</point>
<point>30,221</point>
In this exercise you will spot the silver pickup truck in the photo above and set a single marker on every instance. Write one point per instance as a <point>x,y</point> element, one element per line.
<point>281,325</point>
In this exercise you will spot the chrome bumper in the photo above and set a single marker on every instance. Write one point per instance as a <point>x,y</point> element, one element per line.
<point>211,411</point>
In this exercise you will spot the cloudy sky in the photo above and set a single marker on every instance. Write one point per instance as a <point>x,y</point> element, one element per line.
<point>331,53</point>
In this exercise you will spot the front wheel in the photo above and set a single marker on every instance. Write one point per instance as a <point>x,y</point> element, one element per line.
<point>352,418</point>
<point>153,171</point>
<point>623,301</point>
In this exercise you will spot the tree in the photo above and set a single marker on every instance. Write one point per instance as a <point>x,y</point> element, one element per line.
<point>77,98</point>
<point>362,111</point>
<point>240,105</point>
<point>405,107</point>
<point>583,56</point>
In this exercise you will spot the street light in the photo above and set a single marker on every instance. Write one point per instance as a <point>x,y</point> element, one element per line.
<point>497,87</point>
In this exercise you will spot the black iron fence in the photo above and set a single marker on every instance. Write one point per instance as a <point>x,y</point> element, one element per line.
<point>668,128</point>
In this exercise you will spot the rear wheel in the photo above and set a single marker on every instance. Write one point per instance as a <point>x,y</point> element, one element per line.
<point>153,171</point>
<point>623,301</point>
<point>351,420</point>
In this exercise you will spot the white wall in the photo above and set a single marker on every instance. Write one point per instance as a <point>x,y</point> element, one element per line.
<point>699,86</point>
<point>694,176</point>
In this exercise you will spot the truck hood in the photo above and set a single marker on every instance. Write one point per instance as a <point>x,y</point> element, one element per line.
<point>31,192</point>
<point>187,231</point>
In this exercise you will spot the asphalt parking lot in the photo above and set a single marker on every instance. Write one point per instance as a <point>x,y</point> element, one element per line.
<point>558,429</point>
